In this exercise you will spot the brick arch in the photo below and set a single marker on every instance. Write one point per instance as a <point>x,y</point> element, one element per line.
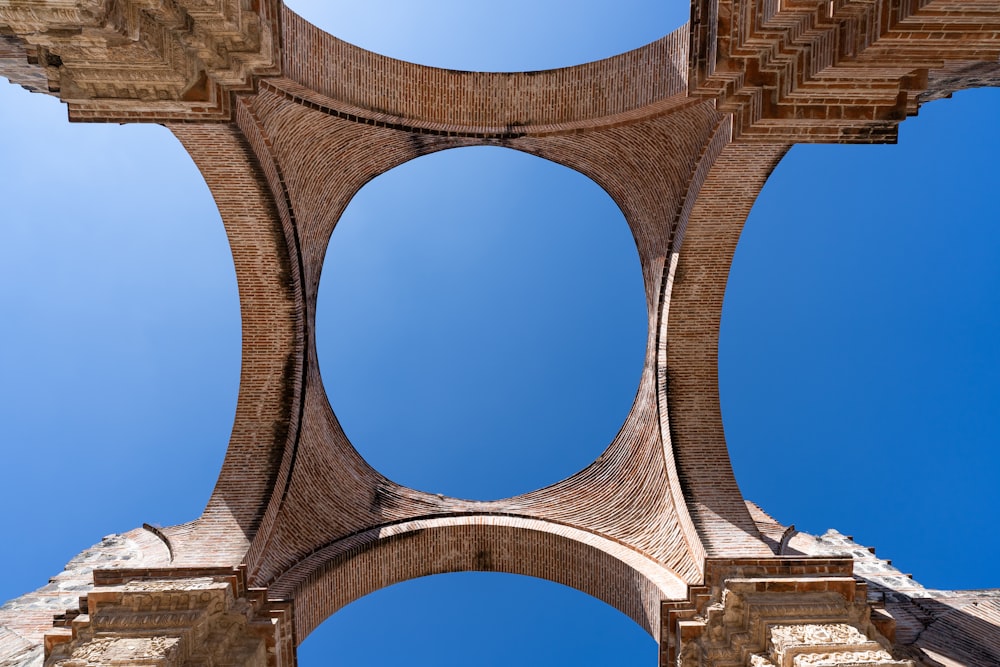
<point>433,100</point>
<point>683,133</point>
<point>695,279</point>
<point>679,201</point>
<point>304,154</point>
<point>621,496</point>
<point>624,239</point>
<point>362,563</point>
<point>625,495</point>
<point>273,346</point>
<point>724,189</point>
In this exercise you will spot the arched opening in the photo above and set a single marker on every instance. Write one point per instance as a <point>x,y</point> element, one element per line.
<point>858,357</point>
<point>478,618</point>
<point>350,568</point>
<point>120,357</point>
<point>481,322</point>
<point>519,36</point>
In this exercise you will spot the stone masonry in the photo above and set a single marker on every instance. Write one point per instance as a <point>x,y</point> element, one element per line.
<point>286,123</point>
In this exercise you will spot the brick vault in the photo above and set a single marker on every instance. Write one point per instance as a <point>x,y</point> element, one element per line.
<point>286,123</point>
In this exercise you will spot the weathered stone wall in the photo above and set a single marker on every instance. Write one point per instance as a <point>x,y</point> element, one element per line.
<point>930,626</point>
<point>25,620</point>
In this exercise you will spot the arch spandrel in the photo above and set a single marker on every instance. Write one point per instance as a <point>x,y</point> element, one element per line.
<point>695,285</point>
<point>625,495</point>
<point>656,211</point>
<point>273,340</point>
<point>348,569</point>
<point>647,80</point>
<point>314,159</point>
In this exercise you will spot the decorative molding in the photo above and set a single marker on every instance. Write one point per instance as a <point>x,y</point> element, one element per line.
<point>134,60</point>
<point>845,71</point>
<point>779,613</point>
<point>825,644</point>
<point>173,618</point>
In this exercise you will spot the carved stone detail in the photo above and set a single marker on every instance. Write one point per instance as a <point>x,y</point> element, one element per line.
<point>842,658</point>
<point>803,613</point>
<point>116,650</point>
<point>825,645</point>
<point>786,636</point>
<point>830,71</point>
<point>152,618</point>
<point>136,60</point>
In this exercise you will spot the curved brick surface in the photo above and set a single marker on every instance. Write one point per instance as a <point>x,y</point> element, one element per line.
<point>483,102</point>
<point>365,562</point>
<point>682,133</point>
<point>625,494</point>
<point>313,159</point>
<point>265,426</point>
<point>697,283</point>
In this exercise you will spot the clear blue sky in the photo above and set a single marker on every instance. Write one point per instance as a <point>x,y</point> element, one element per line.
<point>858,363</point>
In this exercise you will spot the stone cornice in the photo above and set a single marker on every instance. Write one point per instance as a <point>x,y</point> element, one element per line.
<point>132,60</point>
<point>845,71</point>
<point>180,616</point>
<point>774,612</point>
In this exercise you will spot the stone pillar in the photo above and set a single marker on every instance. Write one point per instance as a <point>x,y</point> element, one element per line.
<point>807,612</point>
<point>174,618</point>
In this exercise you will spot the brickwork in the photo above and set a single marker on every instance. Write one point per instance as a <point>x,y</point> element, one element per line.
<point>265,429</point>
<point>484,103</point>
<point>287,123</point>
<point>697,279</point>
<point>363,563</point>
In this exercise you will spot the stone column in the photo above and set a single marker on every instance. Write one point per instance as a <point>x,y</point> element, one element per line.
<point>806,612</point>
<point>173,618</point>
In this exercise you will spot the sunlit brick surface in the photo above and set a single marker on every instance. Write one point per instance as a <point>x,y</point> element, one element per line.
<point>286,123</point>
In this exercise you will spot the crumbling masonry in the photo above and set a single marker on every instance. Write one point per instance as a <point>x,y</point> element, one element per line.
<point>286,123</point>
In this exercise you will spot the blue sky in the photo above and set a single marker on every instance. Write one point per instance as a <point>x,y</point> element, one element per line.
<point>857,361</point>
